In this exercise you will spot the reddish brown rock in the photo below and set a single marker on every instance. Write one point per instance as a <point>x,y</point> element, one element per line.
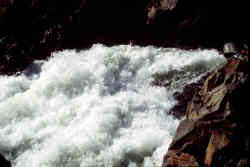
<point>215,132</point>
<point>218,141</point>
<point>182,159</point>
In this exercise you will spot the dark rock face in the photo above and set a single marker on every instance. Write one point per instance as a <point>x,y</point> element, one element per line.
<point>165,80</point>
<point>184,97</point>
<point>32,29</point>
<point>215,132</point>
<point>4,162</point>
<point>200,19</point>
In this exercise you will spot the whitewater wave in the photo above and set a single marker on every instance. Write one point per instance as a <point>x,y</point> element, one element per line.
<point>96,107</point>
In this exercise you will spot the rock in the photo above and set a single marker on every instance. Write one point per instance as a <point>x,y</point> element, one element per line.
<point>242,163</point>
<point>218,141</point>
<point>39,27</point>
<point>4,4</point>
<point>182,159</point>
<point>166,79</point>
<point>4,162</point>
<point>159,5</point>
<point>2,13</point>
<point>214,90</point>
<point>184,97</point>
<point>214,132</point>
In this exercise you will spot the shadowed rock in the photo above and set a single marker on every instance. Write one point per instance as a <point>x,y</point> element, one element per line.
<point>4,162</point>
<point>32,29</point>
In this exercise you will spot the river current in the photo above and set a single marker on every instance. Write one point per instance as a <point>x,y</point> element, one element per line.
<point>96,107</point>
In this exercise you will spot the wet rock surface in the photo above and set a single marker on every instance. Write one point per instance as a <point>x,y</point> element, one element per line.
<point>184,97</point>
<point>214,132</point>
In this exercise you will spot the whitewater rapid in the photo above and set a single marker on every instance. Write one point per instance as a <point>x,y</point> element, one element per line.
<point>96,107</point>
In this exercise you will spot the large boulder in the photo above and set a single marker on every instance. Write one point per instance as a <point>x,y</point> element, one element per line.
<point>214,132</point>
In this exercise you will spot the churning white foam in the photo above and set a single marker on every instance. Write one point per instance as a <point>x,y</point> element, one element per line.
<point>96,108</point>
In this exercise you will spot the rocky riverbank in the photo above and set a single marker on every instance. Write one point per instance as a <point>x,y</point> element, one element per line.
<point>215,132</point>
